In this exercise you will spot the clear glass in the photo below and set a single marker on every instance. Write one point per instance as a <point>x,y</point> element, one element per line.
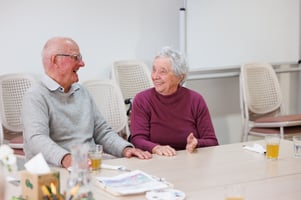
<point>297,146</point>
<point>79,180</point>
<point>95,156</point>
<point>272,146</point>
<point>234,192</point>
<point>2,182</point>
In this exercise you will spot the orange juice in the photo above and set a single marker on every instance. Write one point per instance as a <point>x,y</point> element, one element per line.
<point>95,163</point>
<point>234,192</point>
<point>272,151</point>
<point>95,159</point>
<point>234,198</point>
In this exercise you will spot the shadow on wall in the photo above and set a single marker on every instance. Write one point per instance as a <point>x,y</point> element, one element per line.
<point>222,98</point>
<point>228,129</point>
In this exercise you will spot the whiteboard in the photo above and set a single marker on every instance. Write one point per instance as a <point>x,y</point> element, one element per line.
<point>223,33</point>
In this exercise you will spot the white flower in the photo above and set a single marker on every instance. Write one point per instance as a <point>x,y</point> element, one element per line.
<point>7,157</point>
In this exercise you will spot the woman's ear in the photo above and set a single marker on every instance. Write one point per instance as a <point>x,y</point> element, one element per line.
<point>181,77</point>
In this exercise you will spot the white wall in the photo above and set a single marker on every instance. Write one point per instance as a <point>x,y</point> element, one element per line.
<point>115,30</point>
<point>222,97</point>
<point>105,30</point>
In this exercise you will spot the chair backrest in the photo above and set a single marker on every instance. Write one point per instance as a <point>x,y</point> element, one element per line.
<point>132,76</point>
<point>260,91</point>
<point>12,89</point>
<point>109,101</point>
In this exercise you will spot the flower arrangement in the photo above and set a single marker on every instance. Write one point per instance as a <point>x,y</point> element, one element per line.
<point>7,157</point>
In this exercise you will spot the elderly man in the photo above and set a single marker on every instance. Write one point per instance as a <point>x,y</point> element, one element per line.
<point>59,112</point>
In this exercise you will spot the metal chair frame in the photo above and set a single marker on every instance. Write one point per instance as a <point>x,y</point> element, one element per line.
<point>261,103</point>
<point>12,89</point>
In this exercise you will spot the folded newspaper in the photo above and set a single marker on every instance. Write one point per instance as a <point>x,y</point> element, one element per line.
<point>133,182</point>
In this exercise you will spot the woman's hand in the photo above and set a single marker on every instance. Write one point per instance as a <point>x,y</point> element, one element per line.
<point>130,152</point>
<point>164,150</point>
<point>192,143</point>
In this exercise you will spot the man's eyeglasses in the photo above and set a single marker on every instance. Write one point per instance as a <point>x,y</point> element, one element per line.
<point>75,57</point>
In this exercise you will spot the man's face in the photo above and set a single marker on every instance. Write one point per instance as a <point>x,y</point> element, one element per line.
<point>66,64</point>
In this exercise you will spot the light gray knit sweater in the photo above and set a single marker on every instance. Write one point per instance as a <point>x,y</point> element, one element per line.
<point>54,121</point>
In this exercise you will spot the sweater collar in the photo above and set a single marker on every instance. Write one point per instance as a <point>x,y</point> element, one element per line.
<point>172,98</point>
<point>52,85</point>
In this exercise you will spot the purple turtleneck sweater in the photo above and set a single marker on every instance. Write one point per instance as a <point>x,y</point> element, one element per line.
<point>168,120</point>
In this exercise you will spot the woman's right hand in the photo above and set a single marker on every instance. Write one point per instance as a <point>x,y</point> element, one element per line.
<point>192,143</point>
<point>164,150</point>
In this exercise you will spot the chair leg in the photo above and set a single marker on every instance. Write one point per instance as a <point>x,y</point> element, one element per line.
<point>282,132</point>
<point>245,131</point>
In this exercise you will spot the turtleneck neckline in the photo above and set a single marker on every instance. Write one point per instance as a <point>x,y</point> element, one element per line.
<point>172,98</point>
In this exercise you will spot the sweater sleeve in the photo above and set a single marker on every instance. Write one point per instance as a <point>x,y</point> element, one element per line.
<point>140,124</point>
<point>105,135</point>
<point>204,124</point>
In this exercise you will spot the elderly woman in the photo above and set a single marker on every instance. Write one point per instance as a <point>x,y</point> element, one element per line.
<point>170,117</point>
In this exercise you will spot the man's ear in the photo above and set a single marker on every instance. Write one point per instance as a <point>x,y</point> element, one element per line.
<point>52,59</point>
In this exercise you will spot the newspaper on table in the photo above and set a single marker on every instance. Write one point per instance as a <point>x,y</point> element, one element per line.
<point>133,182</point>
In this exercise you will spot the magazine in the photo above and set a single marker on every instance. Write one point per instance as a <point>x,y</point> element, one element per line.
<point>133,182</point>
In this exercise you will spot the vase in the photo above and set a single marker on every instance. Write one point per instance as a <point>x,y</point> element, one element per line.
<point>2,182</point>
<point>79,180</point>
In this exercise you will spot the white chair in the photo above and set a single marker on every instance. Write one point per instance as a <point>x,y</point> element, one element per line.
<point>132,76</point>
<point>12,88</point>
<point>262,103</point>
<point>109,101</point>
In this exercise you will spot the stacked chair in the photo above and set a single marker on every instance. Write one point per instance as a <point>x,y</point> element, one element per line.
<point>12,88</point>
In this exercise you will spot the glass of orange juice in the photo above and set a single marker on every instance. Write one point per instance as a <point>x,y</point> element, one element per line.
<point>234,192</point>
<point>95,155</point>
<point>272,146</point>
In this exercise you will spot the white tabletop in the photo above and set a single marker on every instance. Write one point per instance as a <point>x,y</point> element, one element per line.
<point>205,173</point>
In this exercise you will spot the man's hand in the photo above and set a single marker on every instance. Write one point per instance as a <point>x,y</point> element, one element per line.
<point>130,152</point>
<point>192,143</point>
<point>67,161</point>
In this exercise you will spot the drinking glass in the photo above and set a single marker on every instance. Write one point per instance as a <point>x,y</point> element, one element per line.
<point>297,146</point>
<point>79,179</point>
<point>95,155</point>
<point>272,146</point>
<point>234,192</point>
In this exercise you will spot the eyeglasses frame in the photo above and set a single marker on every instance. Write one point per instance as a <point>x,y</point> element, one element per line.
<point>76,57</point>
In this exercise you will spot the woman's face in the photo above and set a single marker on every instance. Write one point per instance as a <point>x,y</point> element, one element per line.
<point>164,79</point>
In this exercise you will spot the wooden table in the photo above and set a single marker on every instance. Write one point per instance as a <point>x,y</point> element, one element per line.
<point>205,173</point>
